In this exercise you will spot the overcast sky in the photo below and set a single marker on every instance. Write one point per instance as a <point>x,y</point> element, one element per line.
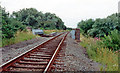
<point>70,11</point>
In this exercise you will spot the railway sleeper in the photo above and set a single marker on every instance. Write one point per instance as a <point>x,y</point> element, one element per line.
<point>38,57</point>
<point>42,55</point>
<point>24,69</point>
<point>29,66</point>
<point>33,60</point>
<point>45,51</point>
<point>34,63</point>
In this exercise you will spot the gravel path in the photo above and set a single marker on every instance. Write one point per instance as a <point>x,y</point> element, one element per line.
<point>75,58</point>
<point>14,50</point>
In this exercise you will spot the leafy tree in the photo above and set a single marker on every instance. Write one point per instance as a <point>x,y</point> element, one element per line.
<point>32,17</point>
<point>28,17</point>
<point>99,27</point>
<point>10,25</point>
<point>85,25</point>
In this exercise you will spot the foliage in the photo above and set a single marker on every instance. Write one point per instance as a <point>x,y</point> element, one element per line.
<point>99,27</point>
<point>5,16</point>
<point>28,17</point>
<point>19,37</point>
<point>8,31</point>
<point>106,28</point>
<point>9,25</point>
<point>112,41</point>
<point>106,57</point>
<point>85,25</point>
<point>32,17</point>
<point>91,44</point>
<point>68,28</point>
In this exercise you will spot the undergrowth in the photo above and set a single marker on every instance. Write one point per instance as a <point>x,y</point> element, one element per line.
<point>105,56</point>
<point>19,37</point>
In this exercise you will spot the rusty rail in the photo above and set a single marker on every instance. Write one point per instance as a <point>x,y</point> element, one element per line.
<point>4,66</point>
<point>54,55</point>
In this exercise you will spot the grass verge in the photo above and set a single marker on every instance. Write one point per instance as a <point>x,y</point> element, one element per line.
<point>106,57</point>
<point>19,37</point>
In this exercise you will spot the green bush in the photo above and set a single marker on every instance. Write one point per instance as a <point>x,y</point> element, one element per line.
<point>104,56</point>
<point>112,41</point>
<point>9,30</point>
<point>99,27</point>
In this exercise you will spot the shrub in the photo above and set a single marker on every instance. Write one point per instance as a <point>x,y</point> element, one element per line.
<point>102,55</point>
<point>112,41</point>
<point>9,30</point>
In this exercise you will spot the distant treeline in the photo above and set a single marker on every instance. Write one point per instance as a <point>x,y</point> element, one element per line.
<point>28,17</point>
<point>99,27</point>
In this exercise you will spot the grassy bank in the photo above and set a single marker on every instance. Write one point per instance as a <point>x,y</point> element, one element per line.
<point>19,37</point>
<point>106,57</point>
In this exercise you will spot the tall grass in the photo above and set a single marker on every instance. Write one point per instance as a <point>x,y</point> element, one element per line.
<point>108,58</point>
<point>19,37</point>
<point>95,51</point>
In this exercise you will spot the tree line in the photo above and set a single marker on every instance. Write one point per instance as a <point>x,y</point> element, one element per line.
<point>99,27</point>
<point>31,17</point>
<point>106,29</point>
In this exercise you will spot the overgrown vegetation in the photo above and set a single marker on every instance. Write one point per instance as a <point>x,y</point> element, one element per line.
<point>107,29</point>
<point>112,41</point>
<point>99,27</point>
<point>106,57</point>
<point>19,37</point>
<point>101,39</point>
<point>28,17</point>
<point>9,25</point>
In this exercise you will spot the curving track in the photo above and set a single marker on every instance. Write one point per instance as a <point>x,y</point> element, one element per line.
<point>39,58</point>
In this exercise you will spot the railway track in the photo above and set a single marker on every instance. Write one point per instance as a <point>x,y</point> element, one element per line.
<point>39,58</point>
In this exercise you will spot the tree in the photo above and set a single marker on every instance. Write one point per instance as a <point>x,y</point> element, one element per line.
<point>35,19</point>
<point>10,25</point>
<point>99,27</point>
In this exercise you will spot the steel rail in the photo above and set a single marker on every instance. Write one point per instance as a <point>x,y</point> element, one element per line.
<point>4,66</point>
<point>54,55</point>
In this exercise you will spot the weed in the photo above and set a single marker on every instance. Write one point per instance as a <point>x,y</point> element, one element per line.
<point>102,55</point>
<point>19,37</point>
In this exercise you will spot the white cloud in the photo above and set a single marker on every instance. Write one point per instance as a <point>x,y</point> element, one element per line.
<point>71,11</point>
